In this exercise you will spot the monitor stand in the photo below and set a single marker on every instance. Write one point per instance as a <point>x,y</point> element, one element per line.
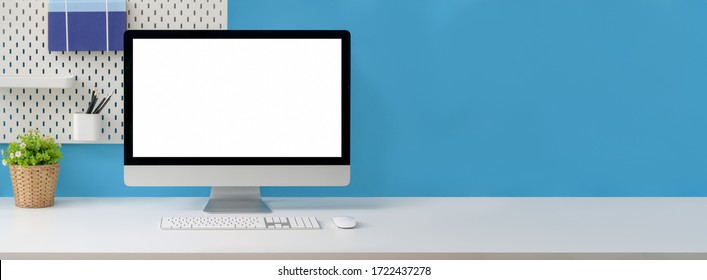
<point>236,200</point>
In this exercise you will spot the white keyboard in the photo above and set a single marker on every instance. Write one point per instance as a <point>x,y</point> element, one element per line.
<point>238,223</point>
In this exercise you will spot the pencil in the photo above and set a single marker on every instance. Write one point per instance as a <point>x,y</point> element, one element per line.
<point>103,104</point>
<point>94,98</point>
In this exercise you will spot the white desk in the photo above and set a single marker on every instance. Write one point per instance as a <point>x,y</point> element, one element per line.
<point>389,228</point>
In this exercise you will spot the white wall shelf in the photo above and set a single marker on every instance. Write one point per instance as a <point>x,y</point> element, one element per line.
<point>37,81</point>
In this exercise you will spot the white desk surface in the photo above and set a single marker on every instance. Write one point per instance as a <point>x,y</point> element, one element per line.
<point>388,228</point>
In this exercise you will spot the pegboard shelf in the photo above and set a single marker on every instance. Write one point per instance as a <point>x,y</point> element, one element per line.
<point>24,51</point>
<point>37,81</point>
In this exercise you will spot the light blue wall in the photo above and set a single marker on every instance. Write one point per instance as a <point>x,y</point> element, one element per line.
<point>495,98</point>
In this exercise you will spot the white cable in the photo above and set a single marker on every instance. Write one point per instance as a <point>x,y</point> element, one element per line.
<point>107,41</point>
<point>66,25</point>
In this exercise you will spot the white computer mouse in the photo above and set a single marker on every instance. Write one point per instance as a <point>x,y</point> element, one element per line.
<point>344,222</point>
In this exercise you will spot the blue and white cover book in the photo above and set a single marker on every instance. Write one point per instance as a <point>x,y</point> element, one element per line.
<point>86,25</point>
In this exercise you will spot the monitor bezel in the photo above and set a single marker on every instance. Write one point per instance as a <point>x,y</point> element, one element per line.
<point>345,37</point>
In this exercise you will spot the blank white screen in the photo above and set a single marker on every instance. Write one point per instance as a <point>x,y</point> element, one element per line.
<point>237,98</point>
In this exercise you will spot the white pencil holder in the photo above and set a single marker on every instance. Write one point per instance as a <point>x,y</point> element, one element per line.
<point>87,127</point>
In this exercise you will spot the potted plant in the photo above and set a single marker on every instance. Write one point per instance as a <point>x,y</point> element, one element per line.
<point>34,169</point>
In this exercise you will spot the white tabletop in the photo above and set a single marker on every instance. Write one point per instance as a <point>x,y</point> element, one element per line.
<point>397,228</point>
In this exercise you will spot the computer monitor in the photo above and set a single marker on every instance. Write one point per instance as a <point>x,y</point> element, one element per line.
<point>236,110</point>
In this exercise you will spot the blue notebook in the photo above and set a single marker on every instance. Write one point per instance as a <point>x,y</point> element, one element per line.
<point>86,25</point>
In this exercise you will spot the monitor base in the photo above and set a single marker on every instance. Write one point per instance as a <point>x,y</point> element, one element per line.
<point>236,200</point>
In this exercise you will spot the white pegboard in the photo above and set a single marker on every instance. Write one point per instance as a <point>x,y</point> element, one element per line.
<point>23,27</point>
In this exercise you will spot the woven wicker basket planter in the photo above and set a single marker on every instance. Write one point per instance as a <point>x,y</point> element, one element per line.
<point>34,186</point>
